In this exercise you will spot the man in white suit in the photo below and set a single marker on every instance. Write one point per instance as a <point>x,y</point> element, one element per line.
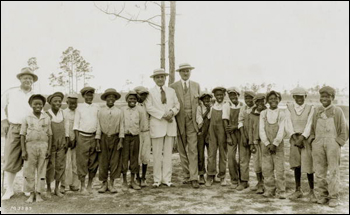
<point>162,105</point>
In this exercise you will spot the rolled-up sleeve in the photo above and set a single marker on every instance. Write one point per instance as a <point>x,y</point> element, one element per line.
<point>226,111</point>
<point>280,134</point>
<point>241,116</point>
<point>262,132</point>
<point>24,127</point>
<point>76,119</point>
<point>307,130</point>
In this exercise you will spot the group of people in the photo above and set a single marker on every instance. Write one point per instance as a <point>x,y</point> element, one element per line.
<point>68,146</point>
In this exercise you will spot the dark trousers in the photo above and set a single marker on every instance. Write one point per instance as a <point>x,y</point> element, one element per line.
<point>87,157</point>
<point>130,152</point>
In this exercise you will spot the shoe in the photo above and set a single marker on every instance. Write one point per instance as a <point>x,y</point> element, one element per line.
<point>255,188</point>
<point>243,185</point>
<point>138,181</point>
<point>234,185</point>
<point>223,182</point>
<point>333,203</point>
<point>195,184</point>
<point>311,196</point>
<point>103,188</point>
<point>201,180</point>
<point>156,185</point>
<point>186,181</point>
<point>322,201</point>
<point>8,194</point>
<point>135,186</point>
<point>144,183</point>
<point>281,195</point>
<point>111,188</point>
<point>73,188</point>
<point>168,184</point>
<point>217,180</point>
<point>260,189</point>
<point>209,181</point>
<point>27,194</point>
<point>296,195</point>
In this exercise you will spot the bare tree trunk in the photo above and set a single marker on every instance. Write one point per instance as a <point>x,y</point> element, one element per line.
<point>162,49</point>
<point>172,42</point>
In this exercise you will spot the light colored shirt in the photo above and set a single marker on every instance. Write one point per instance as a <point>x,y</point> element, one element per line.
<point>299,110</point>
<point>14,105</point>
<point>33,127</point>
<point>69,115</point>
<point>143,108</point>
<point>216,106</point>
<point>201,109</point>
<point>110,122</point>
<point>135,120</point>
<point>226,109</point>
<point>56,118</point>
<point>245,111</point>
<point>85,119</point>
<point>272,117</point>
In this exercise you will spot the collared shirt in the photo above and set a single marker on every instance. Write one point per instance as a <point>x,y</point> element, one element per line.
<point>110,122</point>
<point>56,118</point>
<point>143,108</point>
<point>201,109</point>
<point>134,120</point>
<point>85,119</point>
<point>187,84</point>
<point>272,117</point>
<point>14,105</point>
<point>69,123</point>
<point>299,110</point>
<point>245,111</point>
<point>216,106</point>
<point>226,109</point>
<point>34,128</point>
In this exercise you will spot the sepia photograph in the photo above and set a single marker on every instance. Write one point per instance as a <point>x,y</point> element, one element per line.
<point>174,107</point>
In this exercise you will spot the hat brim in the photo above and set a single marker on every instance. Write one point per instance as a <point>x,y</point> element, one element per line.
<point>204,95</point>
<point>130,94</point>
<point>166,74</point>
<point>104,95</point>
<point>37,96</point>
<point>218,88</point>
<point>35,77</point>
<point>187,67</point>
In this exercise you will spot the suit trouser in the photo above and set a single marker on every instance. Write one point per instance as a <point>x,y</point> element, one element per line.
<point>188,150</point>
<point>162,158</point>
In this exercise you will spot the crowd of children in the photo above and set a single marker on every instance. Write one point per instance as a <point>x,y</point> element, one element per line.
<point>67,145</point>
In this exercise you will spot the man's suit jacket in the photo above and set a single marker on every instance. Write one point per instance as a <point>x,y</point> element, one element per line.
<point>195,92</point>
<point>159,127</point>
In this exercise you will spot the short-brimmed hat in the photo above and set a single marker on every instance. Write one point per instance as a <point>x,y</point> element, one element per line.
<point>131,92</point>
<point>56,94</point>
<point>233,90</point>
<point>249,93</point>
<point>87,89</point>
<point>72,96</point>
<point>141,89</point>
<point>204,94</point>
<point>37,96</point>
<point>299,91</point>
<point>327,89</point>
<point>184,66</point>
<point>27,71</point>
<point>272,92</point>
<point>159,72</point>
<point>219,88</point>
<point>259,96</point>
<point>108,92</point>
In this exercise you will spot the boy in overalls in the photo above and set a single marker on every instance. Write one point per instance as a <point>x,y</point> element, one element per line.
<point>255,142</point>
<point>36,139</point>
<point>57,163</point>
<point>271,130</point>
<point>230,115</point>
<point>217,140</point>
<point>244,149</point>
<point>298,125</point>
<point>331,132</point>
<point>203,110</point>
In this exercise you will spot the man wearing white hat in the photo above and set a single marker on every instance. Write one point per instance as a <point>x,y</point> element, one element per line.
<point>188,93</point>
<point>14,108</point>
<point>162,105</point>
<point>298,124</point>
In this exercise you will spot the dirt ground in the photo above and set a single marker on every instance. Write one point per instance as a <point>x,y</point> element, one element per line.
<point>181,199</point>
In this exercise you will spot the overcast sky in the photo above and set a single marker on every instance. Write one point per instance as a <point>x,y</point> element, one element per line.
<point>228,43</point>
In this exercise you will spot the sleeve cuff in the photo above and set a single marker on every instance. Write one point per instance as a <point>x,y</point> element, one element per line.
<point>340,141</point>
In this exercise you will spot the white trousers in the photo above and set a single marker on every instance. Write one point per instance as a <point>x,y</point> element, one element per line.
<point>162,156</point>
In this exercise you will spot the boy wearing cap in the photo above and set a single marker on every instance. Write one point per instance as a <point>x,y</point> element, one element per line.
<point>330,132</point>
<point>110,133</point>
<point>85,127</point>
<point>298,125</point>
<point>57,162</point>
<point>244,149</point>
<point>271,130</point>
<point>145,138</point>
<point>71,179</point>
<point>135,122</point>
<point>217,140</point>
<point>36,139</point>
<point>255,142</point>
<point>203,122</point>
<point>230,115</point>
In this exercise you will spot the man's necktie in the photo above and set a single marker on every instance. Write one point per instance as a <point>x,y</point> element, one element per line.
<point>185,88</point>
<point>163,96</point>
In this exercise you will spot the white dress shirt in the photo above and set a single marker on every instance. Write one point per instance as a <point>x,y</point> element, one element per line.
<point>85,119</point>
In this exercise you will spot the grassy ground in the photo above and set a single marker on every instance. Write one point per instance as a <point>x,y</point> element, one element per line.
<point>182,199</point>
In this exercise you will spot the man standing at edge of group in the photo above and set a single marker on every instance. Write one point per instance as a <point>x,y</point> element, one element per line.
<point>14,108</point>
<point>187,92</point>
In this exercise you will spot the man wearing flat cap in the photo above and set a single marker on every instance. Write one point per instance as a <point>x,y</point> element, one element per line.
<point>14,107</point>
<point>85,128</point>
<point>187,92</point>
<point>162,105</point>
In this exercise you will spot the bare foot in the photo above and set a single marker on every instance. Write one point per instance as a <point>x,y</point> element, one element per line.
<point>58,193</point>
<point>31,198</point>
<point>83,191</point>
<point>89,189</point>
<point>48,195</point>
<point>38,198</point>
